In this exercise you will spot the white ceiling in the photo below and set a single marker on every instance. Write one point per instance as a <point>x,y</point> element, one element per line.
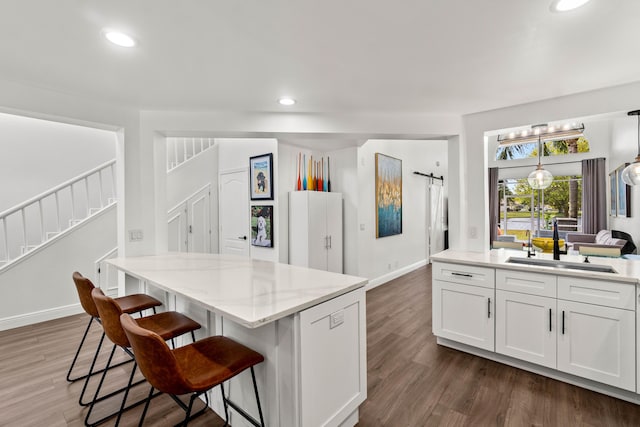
<point>431,56</point>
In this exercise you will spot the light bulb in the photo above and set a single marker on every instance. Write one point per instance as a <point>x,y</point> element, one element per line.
<point>631,174</point>
<point>540,178</point>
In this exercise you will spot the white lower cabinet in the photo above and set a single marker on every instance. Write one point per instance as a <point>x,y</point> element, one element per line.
<point>464,313</point>
<point>597,343</point>
<point>526,327</point>
<point>576,325</point>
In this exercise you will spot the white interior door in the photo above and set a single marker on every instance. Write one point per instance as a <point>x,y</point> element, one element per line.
<point>177,228</point>
<point>234,213</point>
<point>199,226</point>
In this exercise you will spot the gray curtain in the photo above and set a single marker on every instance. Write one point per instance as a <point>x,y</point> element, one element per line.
<point>594,195</point>
<point>494,205</point>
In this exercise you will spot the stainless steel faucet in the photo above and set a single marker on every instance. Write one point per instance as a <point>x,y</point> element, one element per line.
<point>530,253</point>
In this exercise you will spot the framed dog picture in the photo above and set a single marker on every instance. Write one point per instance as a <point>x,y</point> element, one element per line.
<point>261,176</point>
<point>262,226</point>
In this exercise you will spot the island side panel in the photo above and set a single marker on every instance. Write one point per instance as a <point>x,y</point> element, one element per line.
<point>333,370</point>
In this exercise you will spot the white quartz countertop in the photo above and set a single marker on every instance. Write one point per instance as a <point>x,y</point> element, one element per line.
<point>627,270</point>
<point>248,291</point>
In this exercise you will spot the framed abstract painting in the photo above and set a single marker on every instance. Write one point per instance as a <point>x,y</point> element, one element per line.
<point>388,189</point>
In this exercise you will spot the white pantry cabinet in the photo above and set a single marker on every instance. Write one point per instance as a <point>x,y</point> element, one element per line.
<point>315,230</point>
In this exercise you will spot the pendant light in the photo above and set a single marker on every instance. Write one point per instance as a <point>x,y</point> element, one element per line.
<point>631,174</point>
<point>540,178</point>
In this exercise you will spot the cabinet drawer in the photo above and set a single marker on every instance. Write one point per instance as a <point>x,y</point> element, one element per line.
<point>609,294</point>
<point>465,274</point>
<point>527,283</point>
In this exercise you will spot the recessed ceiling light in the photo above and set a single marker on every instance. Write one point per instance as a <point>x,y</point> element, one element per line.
<point>566,5</point>
<point>120,39</point>
<point>286,101</point>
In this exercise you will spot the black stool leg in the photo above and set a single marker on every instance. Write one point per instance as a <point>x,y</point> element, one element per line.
<point>95,396</point>
<point>255,388</point>
<point>186,418</point>
<point>73,363</point>
<point>126,393</point>
<point>146,406</point>
<point>224,402</point>
<point>93,364</point>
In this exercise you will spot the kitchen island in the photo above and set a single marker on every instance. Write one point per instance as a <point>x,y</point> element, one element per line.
<point>309,325</point>
<point>568,320</point>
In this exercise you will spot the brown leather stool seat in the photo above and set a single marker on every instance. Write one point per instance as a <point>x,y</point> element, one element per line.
<point>194,368</point>
<point>130,304</point>
<point>167,325</point>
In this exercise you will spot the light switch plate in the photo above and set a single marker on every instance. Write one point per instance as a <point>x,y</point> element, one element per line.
<point>135,235</point>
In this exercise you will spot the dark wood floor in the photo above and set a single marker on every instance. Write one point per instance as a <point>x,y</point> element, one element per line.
<point>411,380</point>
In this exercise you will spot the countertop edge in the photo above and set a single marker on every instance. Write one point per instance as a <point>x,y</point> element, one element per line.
<point>496,259</point>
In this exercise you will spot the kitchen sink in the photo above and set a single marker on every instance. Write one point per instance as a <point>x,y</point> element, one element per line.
<point>562,264</point>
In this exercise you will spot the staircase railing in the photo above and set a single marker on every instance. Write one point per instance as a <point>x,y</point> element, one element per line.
<point>35,221</point>
<point>179,150</point>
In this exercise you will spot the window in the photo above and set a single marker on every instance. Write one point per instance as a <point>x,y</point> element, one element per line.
<point>550,148</point>
<point>524,210</point>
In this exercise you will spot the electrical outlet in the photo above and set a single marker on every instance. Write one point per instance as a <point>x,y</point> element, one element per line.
<point>361,227</point>
<point>473,232</point>
<point>336,319</point>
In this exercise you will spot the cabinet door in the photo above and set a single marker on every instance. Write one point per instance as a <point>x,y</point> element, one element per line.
<point>526,328</point>
<point>333,360</point>
<point>464,314</point>
<point>334,232</point>
<point>597,343</point>
<point>318,240</point>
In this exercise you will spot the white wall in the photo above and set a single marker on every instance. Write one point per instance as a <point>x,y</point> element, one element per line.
<point>40,154</point>
<point>344,179</point>
<point>469,219</point>
<point>40,287</point>
<point>234,153</point>
<point>380,257</point>
<point>190,177</point>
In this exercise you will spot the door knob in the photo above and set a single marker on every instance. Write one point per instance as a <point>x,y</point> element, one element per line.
<point>242,237</point>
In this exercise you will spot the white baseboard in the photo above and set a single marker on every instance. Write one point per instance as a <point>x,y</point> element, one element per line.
<point>395,274</point>
<point>39,316</point>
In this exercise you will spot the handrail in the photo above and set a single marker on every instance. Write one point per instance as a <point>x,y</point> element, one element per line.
<point>179,150</point>
<point>29,238</point>
<point>56,189</point>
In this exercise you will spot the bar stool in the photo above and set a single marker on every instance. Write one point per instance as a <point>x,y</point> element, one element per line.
<point>168,325</point>
<point>191,369</point>
<point>130,304</point>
